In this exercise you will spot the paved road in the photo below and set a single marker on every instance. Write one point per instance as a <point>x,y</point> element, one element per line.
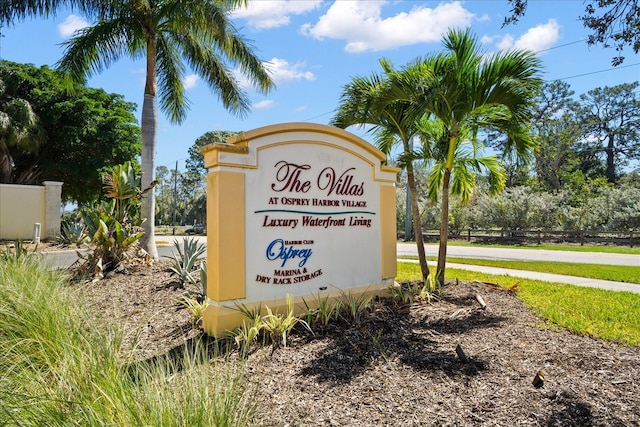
<point>534,255</point>
<point>524,254</point>
<point>165,243</point>
<point>63,259</point>
<point>165,249</point>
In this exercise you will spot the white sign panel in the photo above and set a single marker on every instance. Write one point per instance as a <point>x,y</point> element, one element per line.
<point>312,221</point>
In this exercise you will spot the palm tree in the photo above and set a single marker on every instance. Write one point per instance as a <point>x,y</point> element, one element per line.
<point>470,93</point>
<point>19,128</point>
<point>387,103</point>
<point>467,165</point>
<point>171,35</point>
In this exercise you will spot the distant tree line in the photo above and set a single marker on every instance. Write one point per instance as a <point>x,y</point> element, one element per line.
<point>181,194</point>
<point>594,206</point>
<point>582,176</point>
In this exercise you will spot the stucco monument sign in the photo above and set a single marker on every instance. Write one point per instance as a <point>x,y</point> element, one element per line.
<point>300,209</point>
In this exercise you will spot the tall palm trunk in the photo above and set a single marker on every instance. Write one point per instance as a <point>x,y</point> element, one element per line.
<point>417,228</point>
<point>444,228</point>
<point>444,218</point>
<point>149,124</point>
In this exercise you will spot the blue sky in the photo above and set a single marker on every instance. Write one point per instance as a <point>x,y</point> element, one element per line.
<point>314,48</point>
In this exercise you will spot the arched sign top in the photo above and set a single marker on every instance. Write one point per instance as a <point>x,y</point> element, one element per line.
<point>242,139</point>
<point>297,209</point>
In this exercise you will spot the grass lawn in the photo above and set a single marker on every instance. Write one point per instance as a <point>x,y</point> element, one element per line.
<point>549,246</point>
<point>616,273</point>
<point>608,315</point>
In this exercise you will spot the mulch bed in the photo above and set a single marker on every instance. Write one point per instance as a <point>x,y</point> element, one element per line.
<point>398,365</point>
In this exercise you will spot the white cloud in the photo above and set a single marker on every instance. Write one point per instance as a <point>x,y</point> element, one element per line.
<point>243,82</point>
<point>486,39</point>
<point>72,24</point>
<point>190,81</point>
<point>484,18</point>
<point>536,39</point>
<point>506,42</point>
<point>362,26</point>
<point>262,105</point>
<point>265,14</point>
<point>281,71</point>
<point>540,38</point>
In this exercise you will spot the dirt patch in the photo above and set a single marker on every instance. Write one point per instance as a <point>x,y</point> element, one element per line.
<point>398,365</point>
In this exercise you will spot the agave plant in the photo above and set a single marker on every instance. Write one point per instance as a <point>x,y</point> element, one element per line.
<point>184,262</point>
<point>73,233</point>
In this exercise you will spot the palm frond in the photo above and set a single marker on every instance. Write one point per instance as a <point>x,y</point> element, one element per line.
<point>11,11</point>
<point>95,48</point>
<point>170,74</point>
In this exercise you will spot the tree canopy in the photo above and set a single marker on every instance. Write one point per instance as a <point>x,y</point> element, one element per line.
<point>447,99</point>
<point>85,131</point>
<point>388,102</point>
<point>195,162</point>
<point>611,118</point>
<point>19,130</point>
<point>557,129</point>
<point>466,93</point>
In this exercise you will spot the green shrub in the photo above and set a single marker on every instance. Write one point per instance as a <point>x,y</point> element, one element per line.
<point>275,326</point>
<point>17,254</point>
<point>354,307</point>
<point>326,310</point>
<point>412,291</point>
<point>196,307</point>
<point>279,326</point>
<point>113,228</point>
<point>245,336</point>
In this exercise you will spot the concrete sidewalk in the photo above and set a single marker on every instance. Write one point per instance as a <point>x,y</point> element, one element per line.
<point>546,277</point>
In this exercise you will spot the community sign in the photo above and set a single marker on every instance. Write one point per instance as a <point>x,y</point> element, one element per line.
<point>297,208</point>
